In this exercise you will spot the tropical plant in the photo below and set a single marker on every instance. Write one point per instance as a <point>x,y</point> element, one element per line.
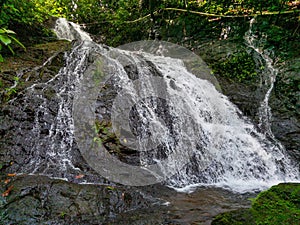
<point>6,38</point>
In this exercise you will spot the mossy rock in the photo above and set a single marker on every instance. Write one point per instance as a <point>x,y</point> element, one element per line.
<point>237,217</point>
<point>278,205</point>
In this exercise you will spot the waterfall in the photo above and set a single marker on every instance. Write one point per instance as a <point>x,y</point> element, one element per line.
<point>70,31</point>
<point>52,137</point>
<point>268,78</point>
<point>185,132</point>
<point>270,73</point>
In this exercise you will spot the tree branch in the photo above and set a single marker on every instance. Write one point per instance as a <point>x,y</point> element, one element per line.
<point>203,14</point>
<point>231,16</point>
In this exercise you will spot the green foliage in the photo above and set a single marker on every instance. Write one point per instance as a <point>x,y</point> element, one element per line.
<point>280,35</point>
<point>23,12</point>
<point>111,188</point>
<point>101,130</point>
<point>6,39</point>
<point>112,18</point>
<point>106,137</point>
<point>238,67</point>
<point>278,205</point>
<point>63,214</point>
<point>33,12</point>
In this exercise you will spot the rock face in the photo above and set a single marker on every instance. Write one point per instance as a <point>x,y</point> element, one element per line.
<point>285,104</point>
<point>41,200</point>
<point>38,65</point>
<point>38,199</point>
<point>247,95</point>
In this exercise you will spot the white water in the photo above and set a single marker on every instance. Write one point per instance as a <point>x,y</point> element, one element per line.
<point>225,148</point>
<point>70,31</point>
<point>235,154</point>
<point>59,141</point>
<point>268,79</point>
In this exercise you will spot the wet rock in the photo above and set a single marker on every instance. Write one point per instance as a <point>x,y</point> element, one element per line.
<point>41,200</point>
<point>285,104</point>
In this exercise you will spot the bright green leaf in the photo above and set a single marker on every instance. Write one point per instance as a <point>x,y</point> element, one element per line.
<point>5,40</point>
<point>8,31</point>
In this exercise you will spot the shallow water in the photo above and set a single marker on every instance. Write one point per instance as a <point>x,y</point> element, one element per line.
<point>200,206</point>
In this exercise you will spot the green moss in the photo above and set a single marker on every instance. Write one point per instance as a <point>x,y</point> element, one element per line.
<point>240,217</point>
<point>278,205</point>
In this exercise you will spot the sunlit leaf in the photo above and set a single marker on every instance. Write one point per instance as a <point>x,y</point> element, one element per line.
<point>5,40</point>
<point>110,188</point>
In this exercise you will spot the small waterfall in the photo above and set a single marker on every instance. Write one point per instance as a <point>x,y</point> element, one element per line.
<point>70,31</point>
<point>270,73</point>
<point>50,148</point>
<point>52,135</point>
<point>213,143</point>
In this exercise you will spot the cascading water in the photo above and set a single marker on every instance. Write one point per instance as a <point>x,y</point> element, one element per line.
<point>52,137</point>
<point>223,147</point>
<point>50,149</point>
<point>70,31</point>
<point>269,76</point>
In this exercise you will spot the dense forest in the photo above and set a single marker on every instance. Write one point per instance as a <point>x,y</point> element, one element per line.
<point>137,19</point>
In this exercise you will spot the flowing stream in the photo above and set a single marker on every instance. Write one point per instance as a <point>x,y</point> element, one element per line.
<point>208,139</point>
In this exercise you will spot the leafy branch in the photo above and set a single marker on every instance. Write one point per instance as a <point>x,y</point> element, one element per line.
<point>6,38</point>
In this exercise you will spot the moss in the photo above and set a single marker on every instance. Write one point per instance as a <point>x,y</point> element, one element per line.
<point>105,136</point>
<point>278,205</point>
<point>239,217</point>
<point>34,56</point>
